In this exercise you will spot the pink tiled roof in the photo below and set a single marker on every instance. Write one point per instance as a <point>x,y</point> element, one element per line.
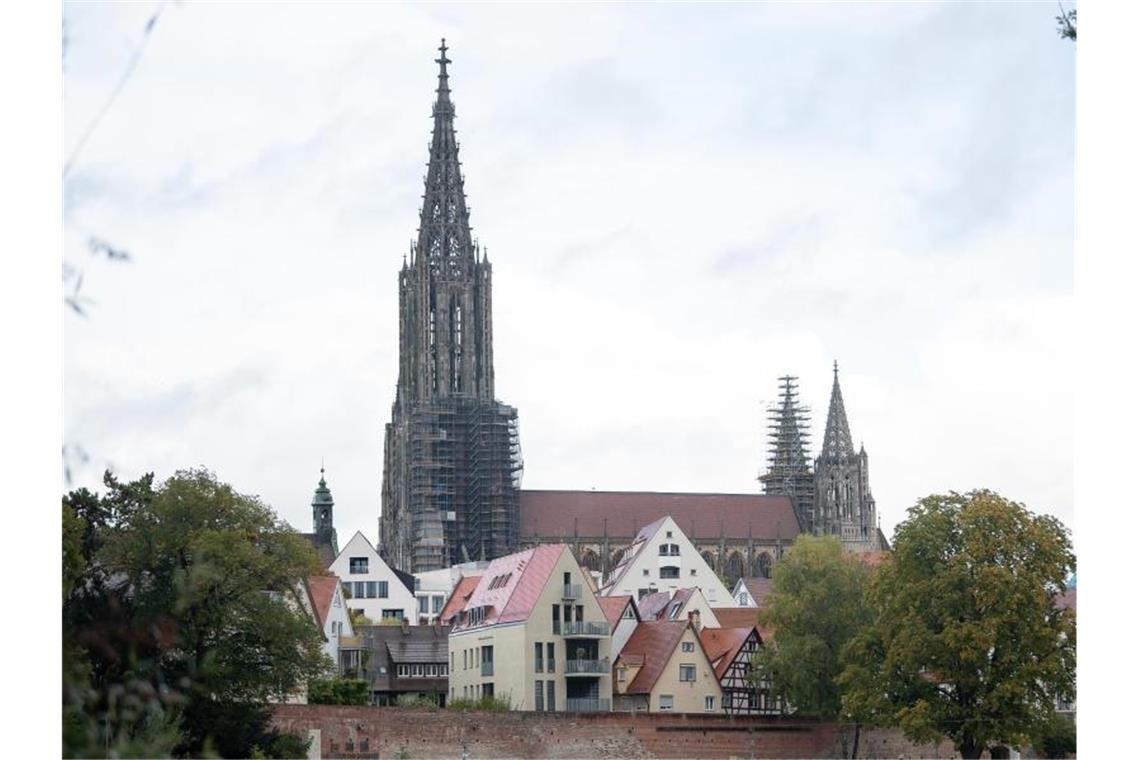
<point>614,606</point>
<point>459,596</point>
<point>619,514</point>
<point>518,580</point>
<point>322,589</point>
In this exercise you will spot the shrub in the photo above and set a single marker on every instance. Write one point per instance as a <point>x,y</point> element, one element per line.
<point>428,701</point>
<point>338,691</point>
<point>491,704</point>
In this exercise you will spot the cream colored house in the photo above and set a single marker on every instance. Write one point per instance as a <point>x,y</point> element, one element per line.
<point>532,632</point>
<point>664,668</point>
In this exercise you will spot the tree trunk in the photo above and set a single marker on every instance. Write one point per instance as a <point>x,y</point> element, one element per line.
<point>855,748</point>
<point>970,750</point>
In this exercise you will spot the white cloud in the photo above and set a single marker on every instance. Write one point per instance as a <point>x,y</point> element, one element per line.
<point>680,207</point>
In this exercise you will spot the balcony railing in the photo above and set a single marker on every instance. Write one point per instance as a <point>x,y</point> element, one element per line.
<point>487,668</point>
<point>587,704</point>
<point>584,628</point>
<point>572,591</point>
<point>588,667</point>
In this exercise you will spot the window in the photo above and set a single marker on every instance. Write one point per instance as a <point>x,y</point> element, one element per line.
<point>550,657</point>
<point>402,671</point>
<point>383,590</point>
<point>668,534</point>
<point>538,658</point>
<point>645,571</point>
<point>443,669</point>
<point>371,589</point>
<point>674,611</point>
<point>357,565</point>
<point>417,671</point>
<point>465,659</point>
<point>358,589</point>
<point>687,646</point>
<point>550,696</point>
<point>453,660</point>
<point>670,571</point>
<point>423,600</point>
<point>436,605</point>
<point>621,674</point>
<point>710,704</point>
<point>663,550</point>
<point>538,696</point>
<point>688,672</point>
<point>665,702</point>
<point>628,614</point>
<point>392,615</point>
<point>693,571</point>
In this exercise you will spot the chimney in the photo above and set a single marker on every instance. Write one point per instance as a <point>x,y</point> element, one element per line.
<point>695,619</point>
<point>438,626</point>
<point>404,625</point>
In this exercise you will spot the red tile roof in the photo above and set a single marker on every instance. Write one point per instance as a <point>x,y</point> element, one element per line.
<point>614,606</point>
<point>517,580</point>
<point>722,644</point>
<point>619,514</point>
<point>322,589</point>
<point>736,617</point>
<point>758,588</point>
<point>655,641</point>
<point>459,596</point>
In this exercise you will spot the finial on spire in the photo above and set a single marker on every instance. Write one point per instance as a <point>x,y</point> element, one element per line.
<point>835,368</point>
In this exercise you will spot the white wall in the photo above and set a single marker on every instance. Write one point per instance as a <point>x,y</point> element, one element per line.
<point>396,597</point>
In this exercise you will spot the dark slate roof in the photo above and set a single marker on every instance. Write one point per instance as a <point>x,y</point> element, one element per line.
<point>407,579</point>
<point>416,643</point>
<point>619,514</point>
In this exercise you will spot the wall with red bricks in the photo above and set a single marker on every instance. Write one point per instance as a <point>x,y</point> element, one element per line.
<point>385,732</point>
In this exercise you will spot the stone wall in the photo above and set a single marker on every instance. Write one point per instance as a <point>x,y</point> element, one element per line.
<point>387,732</point>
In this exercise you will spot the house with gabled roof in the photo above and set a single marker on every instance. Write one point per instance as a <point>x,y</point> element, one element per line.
<point>677,605</point>
<point>751,592</point>
<point>371,585</point>
<point>732,651</point>
<point>664,668</point>
<point>621,614</point>
<point>531,632</point>
<point>661,558</point>
<point>458,598</point>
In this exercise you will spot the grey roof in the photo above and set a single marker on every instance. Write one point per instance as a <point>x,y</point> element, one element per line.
<point>418,650</point>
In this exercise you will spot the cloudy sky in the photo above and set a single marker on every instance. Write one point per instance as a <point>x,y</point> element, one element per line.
<point>682,203</point>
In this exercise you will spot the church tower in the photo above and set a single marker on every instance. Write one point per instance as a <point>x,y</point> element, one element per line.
<point>789,471</point>
<point>323,530</point>
<point>451,455</point>
<point>844,506</point>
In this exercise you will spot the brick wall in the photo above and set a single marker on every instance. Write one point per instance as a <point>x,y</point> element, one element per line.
<point>384,732</point>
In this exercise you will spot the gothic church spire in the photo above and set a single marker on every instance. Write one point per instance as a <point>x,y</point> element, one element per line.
<point>836,436</point>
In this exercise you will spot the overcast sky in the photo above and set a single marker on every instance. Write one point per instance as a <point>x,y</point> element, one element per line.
<point>681,202</point>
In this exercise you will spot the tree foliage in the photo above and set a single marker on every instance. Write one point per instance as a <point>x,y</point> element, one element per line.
<point>1067,24</point>
<point>815,607</point>
<point>967,642</point>
<point>338,691</point>
<point>173,624</point>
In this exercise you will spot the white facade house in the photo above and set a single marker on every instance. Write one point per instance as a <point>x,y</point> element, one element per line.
<point>324,600</point>
<point>751,592</point>
<point>433,587</point>
<point>371,586</point>
<point>661,558</point>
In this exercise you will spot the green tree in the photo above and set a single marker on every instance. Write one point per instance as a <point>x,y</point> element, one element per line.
<point>816,606</point>
<point>179,607</point>
<point>967,642</point>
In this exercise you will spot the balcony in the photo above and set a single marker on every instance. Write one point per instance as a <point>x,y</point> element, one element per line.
<point>587,704</point>
<point>487,668</point>
<point>584,628</point>
<point>572,591</point>
<point>588,667</point>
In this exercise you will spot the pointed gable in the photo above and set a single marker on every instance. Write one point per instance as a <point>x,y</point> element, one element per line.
<point>322,590</point>
<point>721,645</point>
<point>510,586</point>
<point>653,643</point>
<point>459,596</point>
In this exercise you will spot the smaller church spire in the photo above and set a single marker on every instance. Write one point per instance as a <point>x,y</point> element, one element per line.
<point>837,435</point>
<point>443,91</point>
